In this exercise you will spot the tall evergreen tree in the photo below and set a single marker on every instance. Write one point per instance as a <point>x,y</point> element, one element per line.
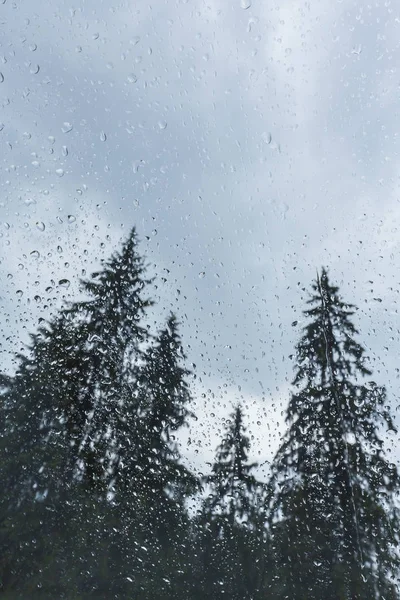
<point>231,528</point>
<point>334,517</point>
<point>110,320</point>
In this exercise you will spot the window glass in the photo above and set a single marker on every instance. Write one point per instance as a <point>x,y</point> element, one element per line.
<point>199,217</point>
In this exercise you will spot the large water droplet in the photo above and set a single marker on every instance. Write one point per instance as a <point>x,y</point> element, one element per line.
<point>65,283</point>
<point>67,127</point>
<point>35,254</point>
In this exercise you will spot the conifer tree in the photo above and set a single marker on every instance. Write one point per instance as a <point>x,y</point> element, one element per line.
<point>110,320</point>
<point>334,517</point>
<point>232,524</point>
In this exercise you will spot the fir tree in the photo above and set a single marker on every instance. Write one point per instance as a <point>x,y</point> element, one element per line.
<point>110,322</point>
<point>231,528</point>
<point>333,512</point>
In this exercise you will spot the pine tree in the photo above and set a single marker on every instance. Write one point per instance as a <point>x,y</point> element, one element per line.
<point>110,322</point>
<point>231,527</point>
<point>64,416</point>
<point>151,483</point>
<point>334,518</point>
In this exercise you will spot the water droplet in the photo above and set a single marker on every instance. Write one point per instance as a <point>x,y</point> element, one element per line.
<point>202,275</point>
<point>132,78</point>
<point>65,151</point>
<point>71,219</point>
<point>67,127</point>
<point>154,232</point>
<point>60,172</point>
<point>96,36</point>
<point>35,254</point>
<point>19,293</point>
<point>245,4</point>
<point>162,124</point>
<point>1,77</point>
<point>78,49</point>
<point>65,283</point>
<point>40,225</point>
<point>33,47</point>
<point>37,299</point>
<point>59,249</point>
<point>267,138</point>
<point>29,201</point>
<point>294,323</point>
<point>103,136</point>
<point>34,70</point>
<point>36,164</point>
<point>51,139</point>
<point>1,126</point>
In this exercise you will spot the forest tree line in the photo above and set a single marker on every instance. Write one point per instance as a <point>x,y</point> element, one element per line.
<point>95,495</point>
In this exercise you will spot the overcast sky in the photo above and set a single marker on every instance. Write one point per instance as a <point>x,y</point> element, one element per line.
<point>249,142</point>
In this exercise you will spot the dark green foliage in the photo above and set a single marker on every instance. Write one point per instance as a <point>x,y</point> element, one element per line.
<point>333,516</point>
<point>95,500</point>
<point>231,527</point>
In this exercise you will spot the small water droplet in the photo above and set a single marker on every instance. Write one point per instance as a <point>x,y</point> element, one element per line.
<point>37,299</point>
<point>162,124</point>
<point>51,139</point>
<point>67,127</point>
<point>60,172</point>
<point>34,70</point>
<point>103,136</point>
<point>71,219</point>
<point>202,275</point>
<point>19,293</point>
<point>29,201</point>
<point>59,249</point>
<point>64,151</point>
<point>245,4</point>
<point>96,36</point>
<point>132,78</point>
<point>33,47</point>
<point>267,138</point>
<point>1,126</point>
<point>40,225</point>
<point>154,232</point>
<point>78,49</point>
<point>1,77</point>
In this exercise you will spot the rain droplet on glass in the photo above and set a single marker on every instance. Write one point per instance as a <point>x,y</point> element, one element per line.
<point>67,127</point>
